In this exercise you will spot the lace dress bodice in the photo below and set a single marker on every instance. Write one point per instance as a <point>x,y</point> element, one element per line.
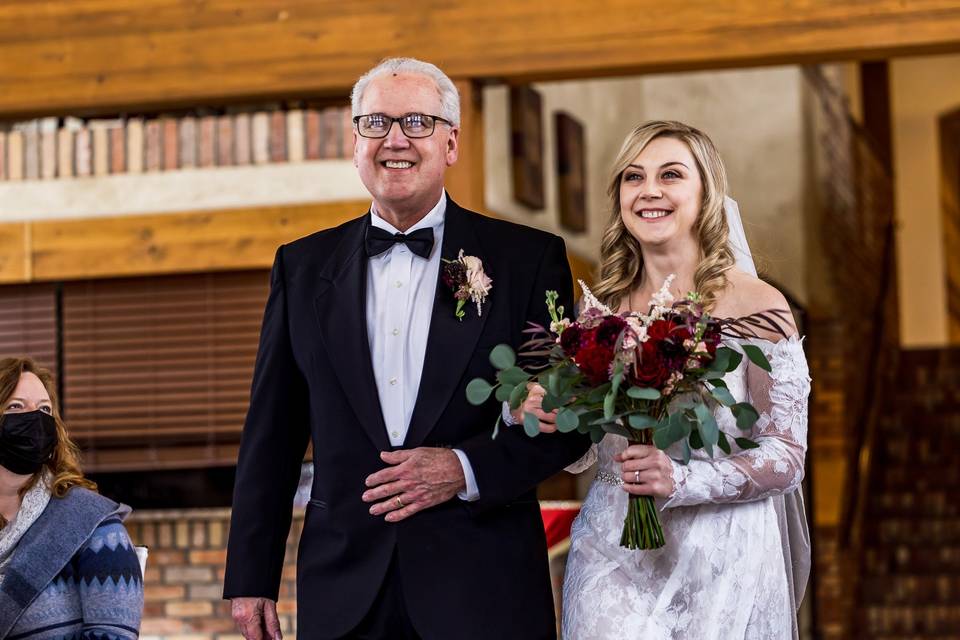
<point>723,572</point>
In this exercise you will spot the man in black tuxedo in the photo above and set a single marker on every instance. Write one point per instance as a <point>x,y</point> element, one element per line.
<point>420,525</point>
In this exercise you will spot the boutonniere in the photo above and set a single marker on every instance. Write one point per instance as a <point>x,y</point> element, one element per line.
<point>468,281</point>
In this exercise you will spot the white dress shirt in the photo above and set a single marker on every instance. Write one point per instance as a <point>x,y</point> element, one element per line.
<point>401,287</point>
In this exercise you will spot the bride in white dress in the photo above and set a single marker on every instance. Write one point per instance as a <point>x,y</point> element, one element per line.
<point>737,553</point>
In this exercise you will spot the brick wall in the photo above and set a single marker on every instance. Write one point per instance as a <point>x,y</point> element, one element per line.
<point>183,583</point>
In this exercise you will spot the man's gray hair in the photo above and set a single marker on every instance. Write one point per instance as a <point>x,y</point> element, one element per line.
<point>449,96</point>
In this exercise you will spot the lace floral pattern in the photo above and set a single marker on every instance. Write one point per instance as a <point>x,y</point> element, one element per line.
<point>721,574</point>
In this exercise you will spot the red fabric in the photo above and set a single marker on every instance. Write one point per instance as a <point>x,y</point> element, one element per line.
<point>557,521</point>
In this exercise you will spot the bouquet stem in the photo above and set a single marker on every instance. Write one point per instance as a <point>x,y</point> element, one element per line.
<point>641,528</point>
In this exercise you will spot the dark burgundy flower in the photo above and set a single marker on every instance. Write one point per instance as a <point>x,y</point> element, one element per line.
<point>454,274</point>
<point>609,330</point>
<point>570,339</point>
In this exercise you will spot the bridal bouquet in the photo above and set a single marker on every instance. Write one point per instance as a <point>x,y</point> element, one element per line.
<point>650,377</point>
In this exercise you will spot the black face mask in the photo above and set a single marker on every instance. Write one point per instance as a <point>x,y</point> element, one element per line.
<point>27,440</point>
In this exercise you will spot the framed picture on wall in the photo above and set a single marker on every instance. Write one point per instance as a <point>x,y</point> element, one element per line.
<point>526,146</point>
<point>571,172</point>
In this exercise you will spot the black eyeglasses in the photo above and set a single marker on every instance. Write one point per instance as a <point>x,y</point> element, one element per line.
<point>413,125</point>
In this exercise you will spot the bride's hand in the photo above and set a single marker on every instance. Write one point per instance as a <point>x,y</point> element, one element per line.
<point>534,404</point>
<point>646,471</point>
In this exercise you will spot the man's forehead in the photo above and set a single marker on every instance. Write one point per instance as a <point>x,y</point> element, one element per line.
<point>412,92</point>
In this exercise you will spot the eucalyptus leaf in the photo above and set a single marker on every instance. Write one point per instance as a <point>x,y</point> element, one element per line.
<point>478,391</point>
<point>503,392</point>
<point>596,435</point>
<point>553,383</point>
<point>696,442</point>
<point>723,396</point>
<point>735,359</point>
<point>746,415</point>
<point>746,443</point>
<point>608,405</point>
<point>617,429</point>
<point>709,431</point>
<point>756,356</point>
<point>643,393</point>
<point>513,376</point>
<point>567,420</point>
<point>531,424</point>
<point>723,443</point>
<point>517,396</point>
<point>642,421</point>
<point>720,361</point>
<point>676,429</point>
<point>663,439</point>
<point>617,378</point>
<point>685,452</point>
<point>718,382</point>
<point>550,402</point>
<point>502,356</point>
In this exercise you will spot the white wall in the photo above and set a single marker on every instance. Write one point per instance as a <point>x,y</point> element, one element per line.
<point>183,190</point>
<point>753,116</point>
<point>922,89</point>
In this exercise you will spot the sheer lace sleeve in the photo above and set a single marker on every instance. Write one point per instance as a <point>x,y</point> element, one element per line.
<point>776,467</point>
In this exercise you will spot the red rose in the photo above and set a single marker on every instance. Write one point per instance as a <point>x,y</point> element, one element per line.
<point>659,330</point>
<point>594,361</point>
<point>651,369</point>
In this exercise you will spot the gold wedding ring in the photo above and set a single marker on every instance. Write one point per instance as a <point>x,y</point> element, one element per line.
<point>399,502</point>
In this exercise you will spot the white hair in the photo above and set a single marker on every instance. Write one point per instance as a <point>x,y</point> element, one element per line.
<point>449,96</point>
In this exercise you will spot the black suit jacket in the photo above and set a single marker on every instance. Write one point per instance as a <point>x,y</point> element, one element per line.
<point>468,570</point>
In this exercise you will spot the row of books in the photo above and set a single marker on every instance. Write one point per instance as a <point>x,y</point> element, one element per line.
<point>53,148</point>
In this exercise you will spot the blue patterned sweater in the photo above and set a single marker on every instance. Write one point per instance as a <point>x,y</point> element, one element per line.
<point>92,586</point>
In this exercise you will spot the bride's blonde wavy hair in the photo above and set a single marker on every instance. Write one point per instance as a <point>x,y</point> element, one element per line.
<point>621,261</point>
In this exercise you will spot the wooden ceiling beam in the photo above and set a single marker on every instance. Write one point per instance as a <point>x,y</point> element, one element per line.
<point>61,56</point>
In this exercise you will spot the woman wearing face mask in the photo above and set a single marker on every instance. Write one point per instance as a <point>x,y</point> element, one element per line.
<point>67,566</point>
<point>737,554</point>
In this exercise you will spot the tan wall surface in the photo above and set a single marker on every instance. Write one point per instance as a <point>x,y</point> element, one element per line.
<point>922,90</point>
<point>754,116</point>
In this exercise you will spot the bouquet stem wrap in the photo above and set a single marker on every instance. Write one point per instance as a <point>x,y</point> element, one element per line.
<point>641,528</point>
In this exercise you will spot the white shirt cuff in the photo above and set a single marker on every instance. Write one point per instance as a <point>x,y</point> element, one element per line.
<point>471,493</point>
<point>506,416</point>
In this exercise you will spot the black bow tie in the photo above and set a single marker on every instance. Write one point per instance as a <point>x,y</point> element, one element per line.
<point>378,240</point>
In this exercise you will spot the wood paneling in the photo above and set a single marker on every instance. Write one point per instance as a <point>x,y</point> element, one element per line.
<point>222,240</point>
<point>464,180</point>
<point>69,55</point>
<point>176,242</point>
<point>14,265</point>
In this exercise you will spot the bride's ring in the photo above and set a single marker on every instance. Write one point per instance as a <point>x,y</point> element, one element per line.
<point>399,502</point>
<point>636,477</point>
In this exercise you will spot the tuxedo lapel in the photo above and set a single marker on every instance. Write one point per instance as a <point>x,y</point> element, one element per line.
<point>341,313</point>
<point>451,342</point>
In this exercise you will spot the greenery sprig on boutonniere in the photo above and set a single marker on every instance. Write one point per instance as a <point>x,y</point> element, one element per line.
<point>468,281</point>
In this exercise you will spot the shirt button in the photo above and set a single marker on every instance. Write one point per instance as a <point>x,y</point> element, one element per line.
<point>396,332</point>
<point>398,284</point>
<point>393,381</point>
